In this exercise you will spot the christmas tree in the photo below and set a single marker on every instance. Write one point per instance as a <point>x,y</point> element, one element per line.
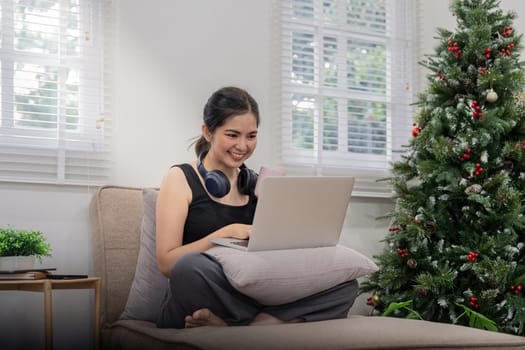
<point>454,251</point>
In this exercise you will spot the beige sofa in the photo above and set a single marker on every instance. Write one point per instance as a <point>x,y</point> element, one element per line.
<point>116,218</point>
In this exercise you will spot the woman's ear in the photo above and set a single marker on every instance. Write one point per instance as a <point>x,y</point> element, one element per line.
<point>206,132</point>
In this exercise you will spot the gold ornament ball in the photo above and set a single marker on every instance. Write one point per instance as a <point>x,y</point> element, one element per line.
<point>373,300</point>
<point>492,96</point>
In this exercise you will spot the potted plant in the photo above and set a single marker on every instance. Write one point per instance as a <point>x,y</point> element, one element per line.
<point>20,248</point>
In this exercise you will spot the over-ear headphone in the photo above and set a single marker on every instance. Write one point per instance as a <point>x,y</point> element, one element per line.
<point>218,184</point>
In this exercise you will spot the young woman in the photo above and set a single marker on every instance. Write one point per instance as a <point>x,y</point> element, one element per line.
<point>213,197</point>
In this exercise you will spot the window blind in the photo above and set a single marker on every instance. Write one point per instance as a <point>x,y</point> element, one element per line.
<point>345,85</point>
<point>55,122</point>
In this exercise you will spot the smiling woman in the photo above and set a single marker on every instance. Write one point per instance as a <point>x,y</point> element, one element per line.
<point>214,197</point>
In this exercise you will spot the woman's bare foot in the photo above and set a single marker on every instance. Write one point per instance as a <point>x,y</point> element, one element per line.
<point>264,319</point>
<point>203,317</point>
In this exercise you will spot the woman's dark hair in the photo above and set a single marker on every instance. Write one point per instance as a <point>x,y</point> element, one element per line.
<point>223,104</point>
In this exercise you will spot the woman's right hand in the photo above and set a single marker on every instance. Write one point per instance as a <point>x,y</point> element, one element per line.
<point>240,231</point>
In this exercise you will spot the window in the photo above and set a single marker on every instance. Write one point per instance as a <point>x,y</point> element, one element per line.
<point>345,85</point>
<point>55,110</point>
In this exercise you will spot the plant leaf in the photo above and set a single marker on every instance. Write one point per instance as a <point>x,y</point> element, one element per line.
<point>393,307</point>
<point>477,320</point>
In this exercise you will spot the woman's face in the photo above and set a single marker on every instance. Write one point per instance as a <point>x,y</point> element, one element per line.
<point>234,142</point>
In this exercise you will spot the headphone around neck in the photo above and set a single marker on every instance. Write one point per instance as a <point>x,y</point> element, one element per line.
<point>218,184</point>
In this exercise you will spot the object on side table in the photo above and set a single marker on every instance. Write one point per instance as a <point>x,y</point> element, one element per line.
<point>52,276</point>
<point>31,275</point>
<point>20,248</point>
<point>25,274</point>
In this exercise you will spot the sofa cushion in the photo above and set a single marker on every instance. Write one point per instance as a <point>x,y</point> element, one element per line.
<point>149,284</point>
<point>116,219</point>
<point>356,332</point>
<point>277,277</point>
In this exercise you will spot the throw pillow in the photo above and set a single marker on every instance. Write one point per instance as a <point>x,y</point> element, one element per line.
<point>281,276</point>
<point>149,284</point>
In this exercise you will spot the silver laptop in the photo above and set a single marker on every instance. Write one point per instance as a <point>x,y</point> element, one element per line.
<point>297,212</point>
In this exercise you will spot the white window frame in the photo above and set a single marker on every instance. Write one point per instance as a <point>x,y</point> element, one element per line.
<point>399,41</point>
<point>64,154</point>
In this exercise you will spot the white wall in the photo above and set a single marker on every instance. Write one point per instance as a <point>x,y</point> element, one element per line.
<point>170,56</point>
<point>170,61</point>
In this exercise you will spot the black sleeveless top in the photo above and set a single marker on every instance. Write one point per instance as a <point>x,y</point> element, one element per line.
<point>206,215</point>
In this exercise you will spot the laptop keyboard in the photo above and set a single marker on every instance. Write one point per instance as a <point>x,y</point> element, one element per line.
<point>241,243</point>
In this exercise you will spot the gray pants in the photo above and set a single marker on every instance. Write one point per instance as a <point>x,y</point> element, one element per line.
<point>197,281</point>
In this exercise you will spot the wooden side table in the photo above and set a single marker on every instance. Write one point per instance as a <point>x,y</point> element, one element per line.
<point>46,286</point>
